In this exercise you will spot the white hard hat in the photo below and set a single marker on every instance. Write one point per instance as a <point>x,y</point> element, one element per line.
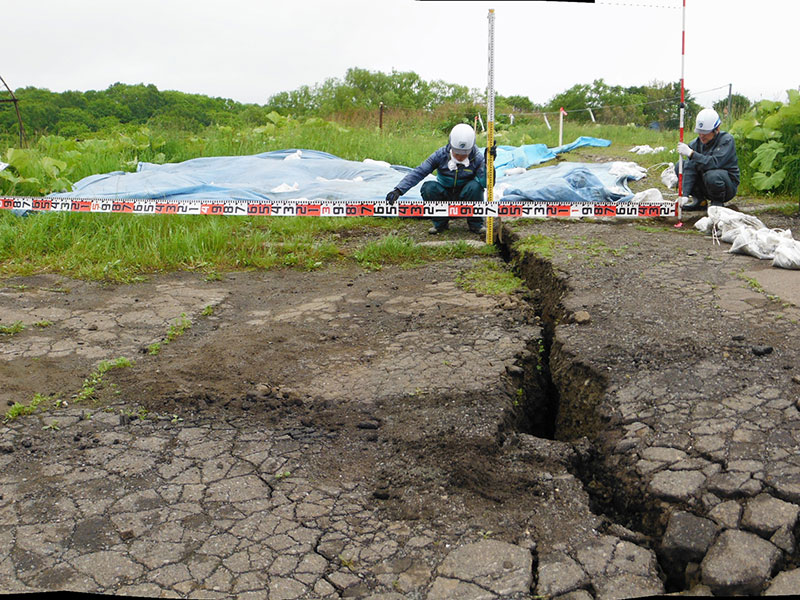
<point>462,138</point>
<point>707,121</point>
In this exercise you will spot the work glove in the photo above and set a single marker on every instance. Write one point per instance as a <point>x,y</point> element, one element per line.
<point>492,151</point>
<point>685,150</point>
<point>392,196</point>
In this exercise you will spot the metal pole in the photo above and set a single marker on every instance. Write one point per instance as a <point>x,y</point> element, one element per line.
<point>730,107</point>
<point>490,131</point>
<point>683,99</point>
<point>15,101</point>
<point>380,117</point>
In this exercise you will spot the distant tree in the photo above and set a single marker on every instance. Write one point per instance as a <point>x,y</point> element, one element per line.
<point>100,105</point>
<point>739,106</point>
<point>662,103</point>
<point>361,88</point>
<point>74,121</point>
<point>72,99</point>
<point>518,103</point>
<point>39,109</point>
<point>142,100</point>
<point>451,93</point>
<point>610,104</point>
<point>297,102</point>
<point>252,114</point>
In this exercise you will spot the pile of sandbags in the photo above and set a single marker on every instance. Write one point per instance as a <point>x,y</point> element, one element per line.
<point>748,235</point>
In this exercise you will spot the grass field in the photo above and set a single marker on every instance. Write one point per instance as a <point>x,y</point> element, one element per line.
<point>125,248</point>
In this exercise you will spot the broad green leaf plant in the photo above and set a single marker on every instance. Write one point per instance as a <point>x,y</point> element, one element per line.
<point>769,142</point>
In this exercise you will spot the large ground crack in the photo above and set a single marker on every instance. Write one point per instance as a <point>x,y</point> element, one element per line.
<point>564,404</point>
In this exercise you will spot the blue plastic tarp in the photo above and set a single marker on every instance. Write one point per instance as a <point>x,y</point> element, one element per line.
<point>580,142</point>
<point>510,157</point>
<point>571,182</point>
<point>286,175</point>
<point>277,175</point>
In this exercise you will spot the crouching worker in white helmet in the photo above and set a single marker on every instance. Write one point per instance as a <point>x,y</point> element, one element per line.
<point>460,175</point>
<point>711,168</point>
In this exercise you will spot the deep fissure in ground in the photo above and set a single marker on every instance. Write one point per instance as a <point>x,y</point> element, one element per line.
<point>561,405</point>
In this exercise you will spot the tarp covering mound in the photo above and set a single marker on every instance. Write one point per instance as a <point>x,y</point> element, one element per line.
<point>278,175</point>
<point>515,157</point>
<point>573,182</point>
<point>286,175</point>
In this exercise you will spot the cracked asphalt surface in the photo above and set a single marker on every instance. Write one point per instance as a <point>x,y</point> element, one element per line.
<point>371,434</point>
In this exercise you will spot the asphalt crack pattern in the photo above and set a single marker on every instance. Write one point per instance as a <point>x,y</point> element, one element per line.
<point>264,478</point>
<point>694,422</point>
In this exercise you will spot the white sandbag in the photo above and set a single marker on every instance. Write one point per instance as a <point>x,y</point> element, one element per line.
<point>745,243</point>
<point>730,234</point>
<point>725,218</point>
<point>646,149</point>
<point>668,177</point>
<point>760,243</point>
<point>704,224</point>
<point>770,239</point>
<point>377,163</point>
<point>651,195</point>
<point>295,156</point>
<point>514,171</point>
<point>630,170</point>
<point>285,187</point>
<point>787,255</point>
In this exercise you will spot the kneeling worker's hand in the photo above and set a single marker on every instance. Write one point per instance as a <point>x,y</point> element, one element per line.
<point>392,196</point>
<point>685,150</point>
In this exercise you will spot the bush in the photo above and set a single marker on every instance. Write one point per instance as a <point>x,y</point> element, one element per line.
<point>768,144</point>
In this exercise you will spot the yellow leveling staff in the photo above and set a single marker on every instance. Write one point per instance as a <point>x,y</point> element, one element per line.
<point>490,131</point>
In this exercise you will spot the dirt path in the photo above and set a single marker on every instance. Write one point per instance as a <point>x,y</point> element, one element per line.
<point>381,434</point>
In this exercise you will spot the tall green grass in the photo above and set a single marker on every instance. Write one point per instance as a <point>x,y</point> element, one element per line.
<point>53,162</point>
<point>122,248</point>
<point>402,250</point>
<point>125,247</point>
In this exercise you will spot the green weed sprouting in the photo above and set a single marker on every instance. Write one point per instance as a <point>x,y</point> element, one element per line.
<point>93,382</point>
<point>540,245</point>
<point>15,327</point>
<point>141,413</point>
<point>488,278</point>
<point>404,251</point>
<point>19,410</point>
<point>178,329</point>
<point>174,331</point>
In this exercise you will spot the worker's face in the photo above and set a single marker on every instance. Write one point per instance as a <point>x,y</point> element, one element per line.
<point>460,155</point>
<point>707,137</point>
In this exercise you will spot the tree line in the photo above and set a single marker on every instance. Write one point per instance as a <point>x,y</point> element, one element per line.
<point>76,114</point>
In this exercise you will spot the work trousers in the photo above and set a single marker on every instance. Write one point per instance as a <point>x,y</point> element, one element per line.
<point>714,185</point>
<point>472,191</point>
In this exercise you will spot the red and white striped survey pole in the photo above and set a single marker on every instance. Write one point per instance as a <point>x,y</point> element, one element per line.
<point>683,100</point>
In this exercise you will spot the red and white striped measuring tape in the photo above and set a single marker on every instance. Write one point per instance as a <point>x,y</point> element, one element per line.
<point>342,208</point>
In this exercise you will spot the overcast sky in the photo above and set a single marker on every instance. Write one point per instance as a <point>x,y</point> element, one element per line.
<point>248,50</point>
